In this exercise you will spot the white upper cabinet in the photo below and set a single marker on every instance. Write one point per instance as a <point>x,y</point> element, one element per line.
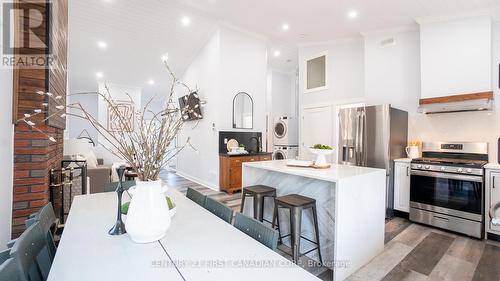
<point>455,56</point>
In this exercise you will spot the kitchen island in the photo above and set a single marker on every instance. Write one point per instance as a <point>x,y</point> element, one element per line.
<point>351,209</point>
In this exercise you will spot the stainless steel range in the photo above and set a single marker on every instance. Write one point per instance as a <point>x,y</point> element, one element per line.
<point>447,186</point>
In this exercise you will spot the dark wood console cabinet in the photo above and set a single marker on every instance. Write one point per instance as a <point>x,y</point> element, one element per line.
<point>230,170</point>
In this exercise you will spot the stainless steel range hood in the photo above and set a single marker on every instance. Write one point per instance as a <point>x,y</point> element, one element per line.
<point>457,103</point>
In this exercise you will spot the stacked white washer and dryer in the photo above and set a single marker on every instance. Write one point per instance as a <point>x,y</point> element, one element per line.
<point>286,138</point>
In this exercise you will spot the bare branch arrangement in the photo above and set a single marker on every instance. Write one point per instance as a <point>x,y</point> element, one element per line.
<point>148,146</point>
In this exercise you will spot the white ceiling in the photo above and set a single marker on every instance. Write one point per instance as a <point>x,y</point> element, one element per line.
<point>139,32</point>
<point>325,20</point>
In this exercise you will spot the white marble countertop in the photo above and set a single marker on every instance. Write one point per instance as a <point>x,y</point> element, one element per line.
<point>333,174</point>
<point>492,166</point>
<point>406,160</point>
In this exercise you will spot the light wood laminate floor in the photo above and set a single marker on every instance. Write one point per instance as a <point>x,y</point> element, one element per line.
<point>412,251</point>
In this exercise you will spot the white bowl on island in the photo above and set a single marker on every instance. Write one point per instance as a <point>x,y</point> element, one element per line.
<point>320,156</point>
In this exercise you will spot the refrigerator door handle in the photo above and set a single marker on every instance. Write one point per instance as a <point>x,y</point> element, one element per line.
<point>357,139</point>
<point>362,138</point>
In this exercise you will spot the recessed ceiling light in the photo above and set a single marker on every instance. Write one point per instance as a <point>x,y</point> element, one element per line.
<point>277,53</point>
<point>352,14</point>
<point>99,75</point>
<point>151,82</point>
<point>102,44</point>
<point>285,27</point>
<point>164,58</point>
<point>186,21</point>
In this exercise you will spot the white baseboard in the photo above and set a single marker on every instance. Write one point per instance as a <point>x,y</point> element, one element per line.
<point>198,181</point>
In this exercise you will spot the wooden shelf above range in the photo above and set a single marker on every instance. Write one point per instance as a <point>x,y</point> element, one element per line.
<point>458,98</point>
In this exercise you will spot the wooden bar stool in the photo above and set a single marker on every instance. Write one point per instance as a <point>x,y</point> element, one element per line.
<point>295,204</point>
<point>259,193</point>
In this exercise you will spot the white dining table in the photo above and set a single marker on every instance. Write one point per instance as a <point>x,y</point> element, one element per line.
<point>87,252</point>
<point>198,246</point>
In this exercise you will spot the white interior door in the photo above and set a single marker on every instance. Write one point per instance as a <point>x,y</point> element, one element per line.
<point>316,127</point>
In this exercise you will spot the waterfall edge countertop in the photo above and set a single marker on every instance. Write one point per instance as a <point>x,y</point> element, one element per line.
<point>333,174</point>
<point>247,154</point>
<point>350,204</point>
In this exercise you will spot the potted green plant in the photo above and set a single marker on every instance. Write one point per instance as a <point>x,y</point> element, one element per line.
<point>321,151</point>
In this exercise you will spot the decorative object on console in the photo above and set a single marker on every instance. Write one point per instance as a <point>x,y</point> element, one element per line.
<point>232,145</point>
<point>145,146</point>
<point>119,227</point>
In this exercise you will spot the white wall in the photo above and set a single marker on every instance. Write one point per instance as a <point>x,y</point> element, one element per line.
<point>392,72</point>
<point>283,94</point>
<point>6,154</point>
<point>456,56</point>
<point>117,93</point>
<point>243,69</point>
<point>6,151</point>
<point>345,72</point>
<point>203,73</point>
<point>346,82</point>
<point>282,100</point>
<point>76,125</point>
<point>231,62</point>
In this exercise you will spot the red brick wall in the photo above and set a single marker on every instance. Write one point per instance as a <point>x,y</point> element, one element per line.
<point>34,154</point>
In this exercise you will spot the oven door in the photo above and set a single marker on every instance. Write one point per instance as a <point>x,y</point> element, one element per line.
<point>456,195</point>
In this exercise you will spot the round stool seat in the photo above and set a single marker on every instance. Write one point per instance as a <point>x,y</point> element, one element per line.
<point>259,193</point>
<point>259,189</point>
<point>295,200</point>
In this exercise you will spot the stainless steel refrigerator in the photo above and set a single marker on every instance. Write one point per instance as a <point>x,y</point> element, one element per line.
<point>373,136</point>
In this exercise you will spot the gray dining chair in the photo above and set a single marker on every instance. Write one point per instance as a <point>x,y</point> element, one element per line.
<point>26,253</point>
<point>196,196</point>
<point>49,224</point>
<point>222,211</point>
<point>9,270</point>
<point>257,230</point>
<point>4,255</point>
<point>47,221</point>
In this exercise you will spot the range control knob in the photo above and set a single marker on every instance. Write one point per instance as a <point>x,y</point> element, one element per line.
<point>460,170</point>
<point>419,166</point>
<point>443,168</point>
<point>469,171</point>
<point>427,167</point>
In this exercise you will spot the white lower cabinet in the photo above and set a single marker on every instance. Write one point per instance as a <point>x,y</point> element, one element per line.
<point>492,197</point>
<point>402,186</point>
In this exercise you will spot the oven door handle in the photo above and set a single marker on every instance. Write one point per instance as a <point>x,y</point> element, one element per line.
<point>446,176</point>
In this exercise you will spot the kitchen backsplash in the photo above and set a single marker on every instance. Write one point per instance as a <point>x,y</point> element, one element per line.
<point>245,138</point>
